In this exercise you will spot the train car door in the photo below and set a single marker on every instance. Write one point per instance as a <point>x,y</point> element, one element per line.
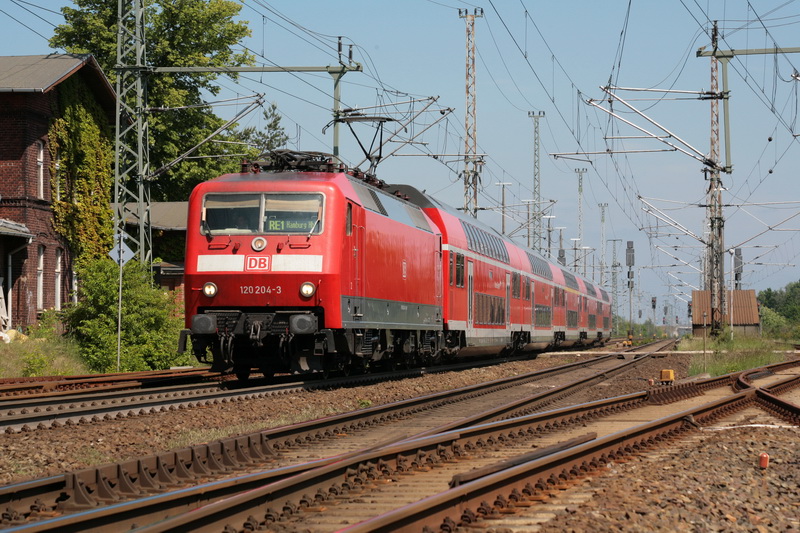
<point>357,257</point>
<point>438,282</point>
<point>508,298</point>
<point>470,292</point>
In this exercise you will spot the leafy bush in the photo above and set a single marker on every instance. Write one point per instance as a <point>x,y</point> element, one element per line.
<point>150,319</point>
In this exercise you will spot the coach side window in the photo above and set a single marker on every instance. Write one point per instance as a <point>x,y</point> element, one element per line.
<point>459,270</point>
<point>452,268</point>
<point>349,220</point>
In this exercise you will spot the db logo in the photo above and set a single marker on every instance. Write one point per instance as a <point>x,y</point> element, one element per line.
<point>256,262</point>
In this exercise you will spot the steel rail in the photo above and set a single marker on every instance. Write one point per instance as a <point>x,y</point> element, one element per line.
<point>140,511</point>
<point>113,482</point>
<point>314,488</point>
<point>29,414</point>
<point>53,386</point>
<point>471,503</point>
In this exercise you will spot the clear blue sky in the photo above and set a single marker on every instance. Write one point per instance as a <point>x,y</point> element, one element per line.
<point>550,57</point>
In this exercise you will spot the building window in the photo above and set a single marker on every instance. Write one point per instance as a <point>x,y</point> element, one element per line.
<point>40,278</point>
<point>58,179</point>
<point>39,169</point>
<point>59,255</point>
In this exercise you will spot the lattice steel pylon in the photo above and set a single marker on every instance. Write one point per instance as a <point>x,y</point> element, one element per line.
<point>602,207</point>
<point>580,172</point>
<point>472,163</point>
<point>537,184</point>
<point>131,160</point>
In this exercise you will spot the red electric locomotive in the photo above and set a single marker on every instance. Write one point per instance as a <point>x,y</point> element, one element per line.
<point>309,271</point>
<point>316,268</point>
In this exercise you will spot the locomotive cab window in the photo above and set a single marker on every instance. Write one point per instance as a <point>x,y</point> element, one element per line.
<point>293,213</point>
<point>231,214</point>
<point>283,213</point>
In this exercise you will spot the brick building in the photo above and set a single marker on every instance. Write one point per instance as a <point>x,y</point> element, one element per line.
<point>35,261</point>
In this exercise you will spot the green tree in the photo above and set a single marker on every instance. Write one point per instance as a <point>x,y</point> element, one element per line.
<point>179,33</point>
<point>785,302</point>
<point>150,319</point>
<point>271,137</point>
<point>770,298</point>
<point>773,324</point>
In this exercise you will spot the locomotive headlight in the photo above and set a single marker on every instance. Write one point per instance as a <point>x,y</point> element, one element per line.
<point>210,289</point>
<point>307,289</point>
<point>259,243</point>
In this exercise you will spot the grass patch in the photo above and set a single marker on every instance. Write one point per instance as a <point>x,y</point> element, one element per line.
<point>725,355</point>
<point>40,356</point>
<point>91,456</point>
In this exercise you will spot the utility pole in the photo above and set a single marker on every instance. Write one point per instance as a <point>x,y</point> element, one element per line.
<point>602,207</point>
<point>738,263</point>
<point>132,173</point>
<point>503,206</point>
<point>549,234</point>
<point>716,260</point>
<point>715,255</point>
<point>580,172</point>
<point>472,163</point>
<point>537,183</point>
<point>629,262</point>
<point>528,204</point>
<point>562,255</point>
<point>614,289</point>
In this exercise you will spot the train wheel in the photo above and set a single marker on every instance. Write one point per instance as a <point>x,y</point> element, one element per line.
<point>242,374</point>
<point>398,362</point>
<point>348,368</point>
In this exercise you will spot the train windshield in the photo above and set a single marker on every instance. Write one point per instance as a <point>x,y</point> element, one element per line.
<point>293,213</point>
<point>271,213</point>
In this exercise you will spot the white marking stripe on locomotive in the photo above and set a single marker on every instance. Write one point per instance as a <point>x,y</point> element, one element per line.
<point>297,263</point>
<point>220,263</point>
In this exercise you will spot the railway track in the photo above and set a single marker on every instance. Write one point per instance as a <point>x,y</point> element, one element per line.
<point>117,482</point>
<point>482,475</point>
<point>55,386</point>
<point>282,450</point>
<point>114,396</point>
<point>129,397</point>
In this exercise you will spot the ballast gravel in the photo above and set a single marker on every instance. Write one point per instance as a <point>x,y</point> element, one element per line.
<point>711,483</point>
